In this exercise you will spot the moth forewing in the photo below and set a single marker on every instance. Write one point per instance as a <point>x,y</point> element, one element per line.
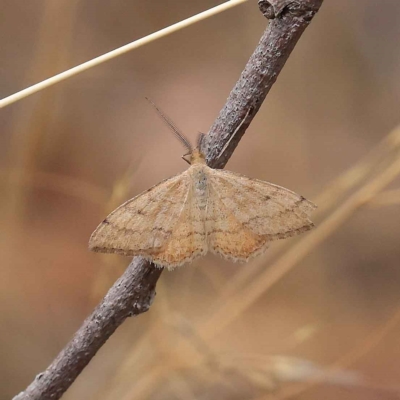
<point>143,223</point>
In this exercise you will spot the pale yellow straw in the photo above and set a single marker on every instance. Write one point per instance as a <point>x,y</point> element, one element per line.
<point>117,52</point>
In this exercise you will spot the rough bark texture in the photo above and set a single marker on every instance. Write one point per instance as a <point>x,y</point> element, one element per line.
<point>290,19</point>
<point>133,293</point>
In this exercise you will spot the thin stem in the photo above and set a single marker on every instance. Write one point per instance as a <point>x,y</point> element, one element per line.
<point>117,52</point>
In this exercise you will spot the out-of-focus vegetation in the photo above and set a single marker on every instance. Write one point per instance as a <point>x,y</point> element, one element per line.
<point>316,317</point>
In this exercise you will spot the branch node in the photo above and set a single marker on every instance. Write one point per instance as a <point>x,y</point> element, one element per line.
<point>267,9</point>
<point>143,305</point>
<point>272,9</point>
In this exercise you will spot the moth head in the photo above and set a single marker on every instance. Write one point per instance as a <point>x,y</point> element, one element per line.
<point>196,155</point>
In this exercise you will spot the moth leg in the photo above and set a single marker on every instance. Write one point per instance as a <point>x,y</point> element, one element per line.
<point>185,155</point>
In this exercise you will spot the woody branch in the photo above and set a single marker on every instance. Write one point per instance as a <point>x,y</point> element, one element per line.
<point>133,293</point>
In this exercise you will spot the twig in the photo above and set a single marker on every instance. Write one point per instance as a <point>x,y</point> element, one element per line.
<point>275,46</point>
<point>132,293</point>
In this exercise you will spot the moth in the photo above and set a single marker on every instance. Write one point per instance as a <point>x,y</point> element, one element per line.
<point>201,210</point>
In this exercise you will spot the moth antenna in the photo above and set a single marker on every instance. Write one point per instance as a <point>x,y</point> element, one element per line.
<point>177,132</point>
<point>200,139</point>
<point>234,133</point>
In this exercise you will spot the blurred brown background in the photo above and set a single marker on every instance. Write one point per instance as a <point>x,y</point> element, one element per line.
<point>217,330</point>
